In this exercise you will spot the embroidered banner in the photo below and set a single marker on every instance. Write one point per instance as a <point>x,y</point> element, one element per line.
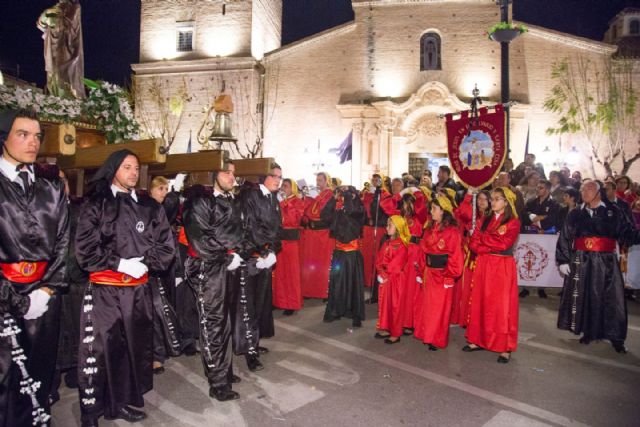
<point>477,150</point>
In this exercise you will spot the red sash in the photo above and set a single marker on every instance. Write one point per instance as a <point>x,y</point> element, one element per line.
<point>348,247</point>
<point>25,271</point>
<point>595,244</point>
<point>115,278</point>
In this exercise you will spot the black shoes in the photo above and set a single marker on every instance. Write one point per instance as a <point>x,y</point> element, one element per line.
<point>434,348</point>
<point>542,293</point>
<point>329,318</point>
<point>524,293</point>
<point>93,422</point>
<point>288,312</point>
<point>357,323</point>
<point>128,414</point>
<point>504,359</point>
<point>190,350</point>
<point>407,331</point>
<point>157,370</point>
<point>471,348</point>
<point>253,363</point>
<point>263,350</point>
<point>619,347</point>
<point>380,336</point>
<point>390,341</point>
<point>222,394</point>
<point>235,379</point>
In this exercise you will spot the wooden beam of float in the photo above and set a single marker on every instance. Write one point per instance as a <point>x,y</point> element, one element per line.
<point>59,139</point>
<point>202,161</point>
<point>147,150</point>
<point>253,167</point>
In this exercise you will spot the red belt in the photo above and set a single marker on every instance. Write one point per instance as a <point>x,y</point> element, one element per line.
<point>191,252</point>
<point>115,278</point>
<point>182,237</point>
<point>25,271</point>
<point>348,247</point>
<point>595,244</point>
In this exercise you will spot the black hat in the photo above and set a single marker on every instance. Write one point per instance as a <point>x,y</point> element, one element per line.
<point>109,168</point>
<point>7,118</point>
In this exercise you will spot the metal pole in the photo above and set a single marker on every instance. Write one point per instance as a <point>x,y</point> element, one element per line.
<point>504,75</point>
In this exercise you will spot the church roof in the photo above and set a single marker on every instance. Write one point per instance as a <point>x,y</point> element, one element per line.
<point>629,47</point>
<point>570,39</point>
<point>625,11</point>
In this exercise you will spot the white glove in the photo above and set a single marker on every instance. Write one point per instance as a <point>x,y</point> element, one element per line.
<point>564,269</point>
<point>380,279</point>
<point>133,267</point>
<point>269,260</point>
<point>38,304</point>
<point>235,262</point>
<point>260,264</point>
<point>532,216</point>
<point>418,279</point>
<point>178,281</point>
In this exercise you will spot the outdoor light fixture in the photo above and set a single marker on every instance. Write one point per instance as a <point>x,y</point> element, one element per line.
<point>573,157</point>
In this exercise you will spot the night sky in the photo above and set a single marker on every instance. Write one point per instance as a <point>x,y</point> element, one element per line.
<point>111,39</point>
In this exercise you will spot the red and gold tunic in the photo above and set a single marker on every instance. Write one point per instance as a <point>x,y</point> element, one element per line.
<point>316,248</point>
<point>442,249</point>
<point>371,237</point>
<point>287,293</point>
<point>390,264</point>
<point>493,307</point>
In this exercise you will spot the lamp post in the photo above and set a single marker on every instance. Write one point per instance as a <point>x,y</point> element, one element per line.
<point>504,66</point>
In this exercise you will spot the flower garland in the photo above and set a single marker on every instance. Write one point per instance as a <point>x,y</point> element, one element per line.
<point>106,106</point>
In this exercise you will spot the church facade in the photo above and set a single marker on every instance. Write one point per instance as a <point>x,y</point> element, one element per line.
<point>384,79</point>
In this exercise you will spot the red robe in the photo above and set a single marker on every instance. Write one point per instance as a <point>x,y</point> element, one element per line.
<point>437,292</point>
<point>371,238</point>
<point>493,313</point>
<point>390,263</point>
<point>412,272</point>
<point>462,288</point>
<point>316,248</point>
<point>287,293</point>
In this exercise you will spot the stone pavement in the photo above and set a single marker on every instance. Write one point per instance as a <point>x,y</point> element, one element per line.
<point>320,374</point>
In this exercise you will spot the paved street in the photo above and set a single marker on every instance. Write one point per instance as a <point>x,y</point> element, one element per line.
<point>320,374</point>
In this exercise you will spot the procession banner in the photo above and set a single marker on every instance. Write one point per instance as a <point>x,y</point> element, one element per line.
<point>535,256</point>
<point>477,149</point>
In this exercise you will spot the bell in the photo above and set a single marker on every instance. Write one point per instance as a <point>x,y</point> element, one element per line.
<point>221,131</point>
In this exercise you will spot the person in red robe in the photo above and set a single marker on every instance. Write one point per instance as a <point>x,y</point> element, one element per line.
<point>493,317</point>
<point>374,229</point>
<point>464,216</point>
<point>442,246</point>
<point>390,264</point>
<point>316,244</point>
<point>287,293</point>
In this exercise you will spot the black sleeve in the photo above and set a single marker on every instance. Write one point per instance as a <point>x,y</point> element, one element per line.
<point>200,229</point>
<point>91,253</point>
<point>262,221</point>
<point>528,209</point>
<point>162,252</point>
<point>551,219</point>
<point>564,245</point>
<point>328,212</point>
<point>56,270</point>
<point>12,302</point>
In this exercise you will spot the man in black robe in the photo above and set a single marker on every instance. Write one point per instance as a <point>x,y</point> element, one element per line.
<point>346,215</point>
<point>217,249</point>
<point>263,221</point>
<point>119,239</point>
<point>33,248</point>
<point>592,302</point>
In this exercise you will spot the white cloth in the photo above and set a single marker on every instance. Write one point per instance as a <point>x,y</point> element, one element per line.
<point>133,267</point>
<point>8,169</point>
<point>38,304</point>
<point>115,190</point>
<point>235,262</point>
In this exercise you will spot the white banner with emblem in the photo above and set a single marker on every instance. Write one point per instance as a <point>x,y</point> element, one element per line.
<point>535,256</point>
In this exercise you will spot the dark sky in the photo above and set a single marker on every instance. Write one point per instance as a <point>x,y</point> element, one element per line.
<point>111,39</point>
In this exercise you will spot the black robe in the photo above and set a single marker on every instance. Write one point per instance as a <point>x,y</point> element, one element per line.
<point>214,228</point>
<point>33,227</point>
<point>346,278</point>
<point>111,228</point>
<point>549,208</point>
<point>262,221</point>
<point>592,301</point>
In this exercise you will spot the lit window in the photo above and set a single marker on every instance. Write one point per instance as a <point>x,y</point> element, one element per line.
<point>430,52</point>
<point>184,36</point>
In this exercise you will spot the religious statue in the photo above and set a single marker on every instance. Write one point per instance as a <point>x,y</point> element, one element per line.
<point>63,56</point>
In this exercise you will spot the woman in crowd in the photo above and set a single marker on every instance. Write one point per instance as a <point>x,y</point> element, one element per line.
<point>558,186</point>
<point>624,190</point>
<point>528,186</point>
<point>464,216</point>
<point>390,265</point>
<point>442,247</point>
<point>493,319</point>
<point>287,293</point>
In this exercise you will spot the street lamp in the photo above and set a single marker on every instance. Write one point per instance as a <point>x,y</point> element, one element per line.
<point>504,66</point>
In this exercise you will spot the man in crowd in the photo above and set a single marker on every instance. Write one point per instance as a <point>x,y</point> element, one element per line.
<point>119,239</point>
<point>592,302</point>
<point>540,215</point>
<point>262,218</point>
<point>444,179</point>
<point>33,250</point>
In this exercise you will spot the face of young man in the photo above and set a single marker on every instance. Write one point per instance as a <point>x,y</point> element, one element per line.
<point>226,180</point>
<point>127,174</point>
<point>272,181</point>
<point>321,182</point>
<point>23,142</point>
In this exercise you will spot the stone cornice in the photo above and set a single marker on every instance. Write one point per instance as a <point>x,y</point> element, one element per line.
<point>311,40</point>
<point>367,3</point>
<point>193,65</point>
<point>570,40</point>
